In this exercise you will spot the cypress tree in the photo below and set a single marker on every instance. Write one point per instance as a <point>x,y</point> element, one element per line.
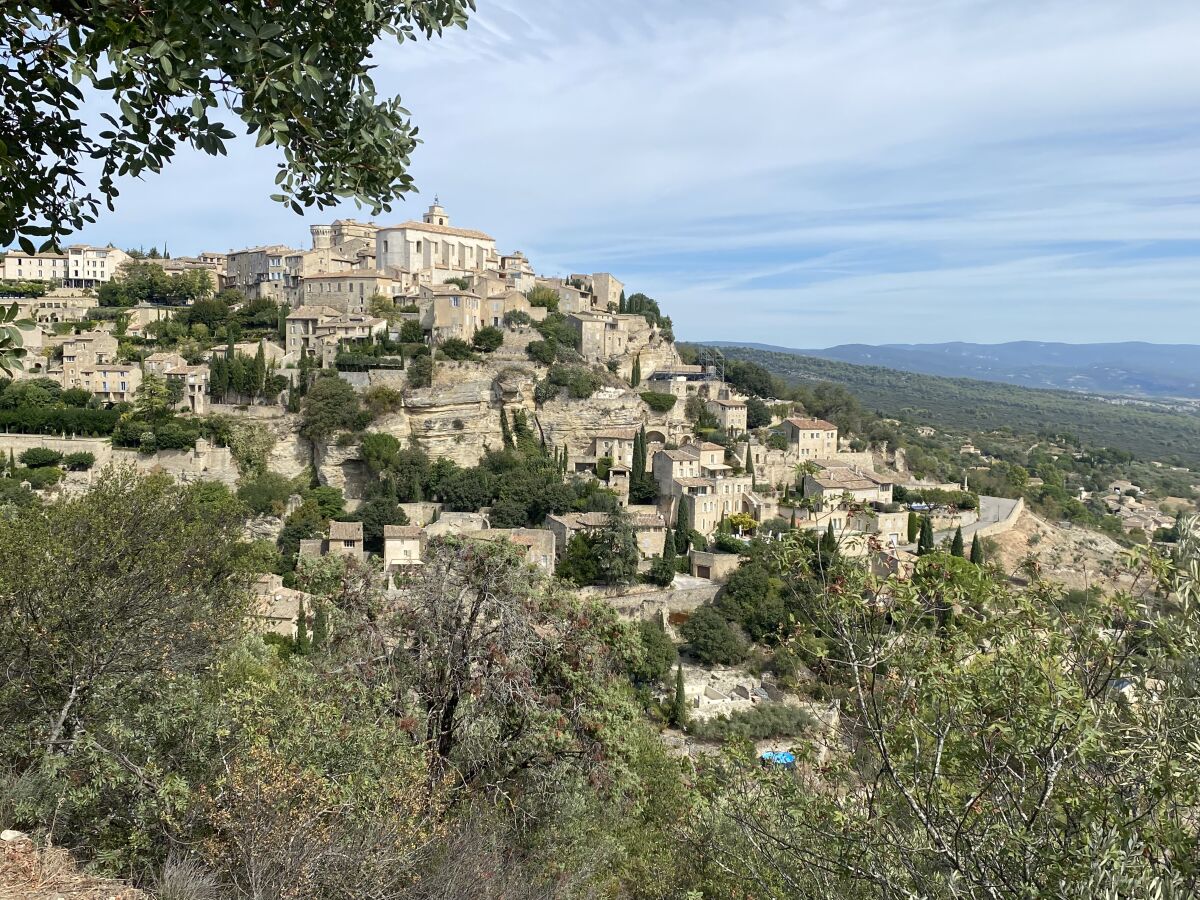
<point>320,631</point>
<point>956,546</point>
<point>793,518</point>
<point>668,552</point>
<point>829,541</point>
<point>681,530</point>
<point>506,437</point>
<point>260,371</point>
<point>635,377</point>
<point>976,551</point>
<point>679,711</point>
<point>914,527</point>
<point>750,469</point>
<point>621,305</point>
<point>417,495</point>
<point>925,539</point>
<point>302,644</point>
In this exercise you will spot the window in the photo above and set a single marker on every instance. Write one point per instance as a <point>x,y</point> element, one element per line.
<point>347,543</point>
<point>454,302</point>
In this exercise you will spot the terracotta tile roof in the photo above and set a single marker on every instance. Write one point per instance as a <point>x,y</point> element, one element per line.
<point>811,424</point>
<point>439,229</point>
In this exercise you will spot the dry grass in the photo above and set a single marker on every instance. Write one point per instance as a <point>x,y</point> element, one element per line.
<point>27,873</point>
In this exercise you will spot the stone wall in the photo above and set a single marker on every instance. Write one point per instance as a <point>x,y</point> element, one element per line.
<point>1005,524</point>
<point>647,602</point>
<point>205,463</point>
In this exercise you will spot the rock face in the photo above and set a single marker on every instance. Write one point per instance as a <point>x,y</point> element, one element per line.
<point>458,418</point>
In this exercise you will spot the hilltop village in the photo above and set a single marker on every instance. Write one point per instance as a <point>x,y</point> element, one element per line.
<point>391,384</point>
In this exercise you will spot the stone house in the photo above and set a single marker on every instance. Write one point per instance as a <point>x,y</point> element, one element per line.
<point>345,539</point>
<point>447,311</point>
<point>145,314</point>
<point>833,482</point>
<point>403,547</point>
<point>261,273</point>
<point>277,608</point>
<point>457,523</point>
<point>319,331</point>
<point>348,292</point>
<point>516,271</point>
<point>730,414</point>
<point>715,566</point>
<point>650,529</point>
<point>538,544</point>
<point>301,326</point>
<point>496,306</point>
<point>111,382</point>
<point>811,438</point>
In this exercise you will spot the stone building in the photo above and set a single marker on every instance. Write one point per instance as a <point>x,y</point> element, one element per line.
<point>730,414</point>
<point>403,547</point>
<point>261,273</point>
<point>349,291</point>
<point>834,481</point>
<point>811,438</point>
<point>434,250</point>
<point>649,528</point>
<point>447,311</point>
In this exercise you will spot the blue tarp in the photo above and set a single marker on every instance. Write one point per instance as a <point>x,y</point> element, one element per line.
<point>779,757</point>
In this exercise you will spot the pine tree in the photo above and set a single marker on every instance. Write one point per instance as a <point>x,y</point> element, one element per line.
<point>679,710</point>
<point>302,644</point>
<point>956,546</point>
<point>506,437</point>
<point>925,539</point>
<point>635,377</point>
<point>320,631</point>
<point>976,551</point>
<point>914,527</point>
<point>681,531</point>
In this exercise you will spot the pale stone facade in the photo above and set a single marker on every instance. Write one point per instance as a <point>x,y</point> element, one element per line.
<point>350,291</point>
<point>650,529</point>
<point>259,272</point>
<point>447,311</point>
<point>811,438</point>
<point>433,250</point>
<point>20,266</point>
<point>730,414</point>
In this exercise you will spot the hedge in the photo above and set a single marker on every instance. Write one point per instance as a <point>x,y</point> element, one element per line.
<point>658,401</point>
<point>72,421</point>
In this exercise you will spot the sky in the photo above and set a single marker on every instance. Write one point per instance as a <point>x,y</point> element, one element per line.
<point>794,172</point>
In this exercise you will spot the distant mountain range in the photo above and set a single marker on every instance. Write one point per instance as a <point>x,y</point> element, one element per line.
<point>1131,368</point>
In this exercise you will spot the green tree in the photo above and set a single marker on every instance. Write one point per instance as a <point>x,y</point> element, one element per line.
<point>488,339</point>
<point>925,539</point>
<point>298,78</point>
<point>420,372</point>
<point>616,549</point>
<point>506,437</point>
<point>956,546</point>
<point>679,709</point>
<point>712,640</point>
<point>302,642</point>
<point>320,630</point>
<point>578,563</point>
<point>164,591</point>
<point>658,653</point>
<point>758,414</point>
<point>914,527</point>
<point>330,406</point>
<point>635,376</point>
<point>976,550</point>
<point>152,400</point>
<point>682,533</point>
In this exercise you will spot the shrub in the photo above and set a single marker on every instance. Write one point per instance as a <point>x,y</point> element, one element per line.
<point>456,349</point>
<point>767,720</point>
<point>266,493</point>
<point>658,401</point>
<point>543,352</point>
<point>381,400</point>
<point>488,339</point>
<point>38,457</point>
<point>30,420</point>
<point>544,391</point>
<point>79,462</point>
<point>411,332</point>
<point>516,317</point>
<point>580,382</point>
<point>712,640</point>
<point>420,372</point>
<point>40,478</point>
<point>543,296</point>
<point>662,572</point>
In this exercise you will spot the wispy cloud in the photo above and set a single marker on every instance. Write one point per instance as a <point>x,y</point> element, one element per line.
<point>796,171</point>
